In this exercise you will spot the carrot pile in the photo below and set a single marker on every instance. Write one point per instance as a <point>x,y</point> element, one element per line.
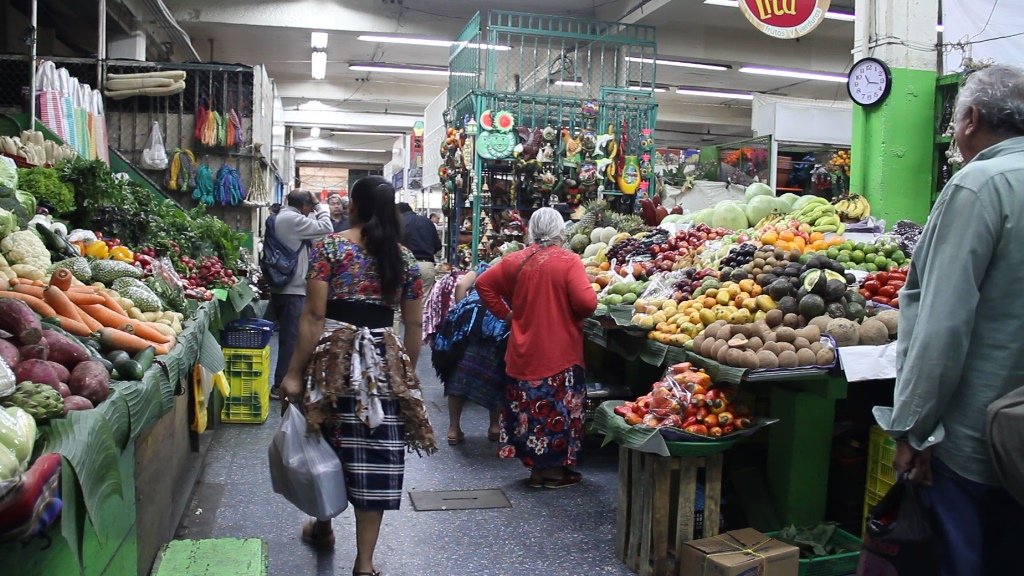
<point>87,311</point>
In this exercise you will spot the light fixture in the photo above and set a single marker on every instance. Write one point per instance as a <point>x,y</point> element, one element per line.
<point>398,69</point>
<point>314,132</point>
<point>678,63</point>
<point>823,76</point>
<point>830,15</point>
<point>425,42</point>
<point>570,83</point>
<point>366,150</point>
<point>355,133</point>
<point>714,94</point>
<point>318,40</point>
<point>314,147</point>
<point>645,88</point>
<point>319,65</point>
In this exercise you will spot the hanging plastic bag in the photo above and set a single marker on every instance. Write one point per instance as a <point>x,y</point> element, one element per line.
<point>899,536</point>
<point>305,470</point>
<point>154,157</point>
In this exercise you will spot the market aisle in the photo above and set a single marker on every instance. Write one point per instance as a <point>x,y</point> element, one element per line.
<point>566,532</point>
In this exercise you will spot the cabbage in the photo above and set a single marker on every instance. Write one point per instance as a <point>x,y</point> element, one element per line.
<point>786,202</point>
<point>8,172</point>
<point>27,200</point>
<point>759,207</point>
<point>675,218</point>
<point>758,189</point>
<point>8,222</point>
<point>704,216</point>
<point>730,217</point>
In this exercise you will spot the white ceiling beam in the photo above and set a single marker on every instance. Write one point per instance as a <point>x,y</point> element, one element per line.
<point>673,109</point>
<point>640,10</point>
<point>340,119</point>
<point>364,16</point>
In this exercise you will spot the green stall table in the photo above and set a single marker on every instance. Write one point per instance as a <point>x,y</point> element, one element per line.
<point>799,445</point>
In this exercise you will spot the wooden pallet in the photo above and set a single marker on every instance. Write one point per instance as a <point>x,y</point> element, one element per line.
<point>657,497</point>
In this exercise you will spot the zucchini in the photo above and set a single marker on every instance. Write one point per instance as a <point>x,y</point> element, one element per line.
<point>55,242</point>
<point>129,370</point>
<point>118,356</point>
<point>145,358</point>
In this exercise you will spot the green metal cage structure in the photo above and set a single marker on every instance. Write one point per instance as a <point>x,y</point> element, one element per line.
<point>542,69</point>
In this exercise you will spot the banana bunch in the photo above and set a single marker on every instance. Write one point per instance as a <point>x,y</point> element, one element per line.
<point>769,220</point>
<point>853,208</point>
<point>820,215</point>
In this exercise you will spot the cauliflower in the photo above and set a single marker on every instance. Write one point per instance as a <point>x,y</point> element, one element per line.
<point>24,247</point>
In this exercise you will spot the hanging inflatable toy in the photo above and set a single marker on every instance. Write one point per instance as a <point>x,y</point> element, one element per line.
<point>497,140</point>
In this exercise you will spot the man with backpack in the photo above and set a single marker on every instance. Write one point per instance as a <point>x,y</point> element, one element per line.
<point>285,262</point>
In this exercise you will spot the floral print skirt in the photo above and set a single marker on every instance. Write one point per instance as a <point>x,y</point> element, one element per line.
<point>542,420</point>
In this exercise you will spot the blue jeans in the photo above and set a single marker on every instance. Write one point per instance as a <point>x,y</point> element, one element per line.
<point>287,308</point>
<point>979,528</point>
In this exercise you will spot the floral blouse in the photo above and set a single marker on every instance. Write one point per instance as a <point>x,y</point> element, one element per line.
<point>351,273</point>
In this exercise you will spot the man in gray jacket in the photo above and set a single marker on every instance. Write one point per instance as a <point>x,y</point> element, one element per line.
<point>298,224</point>
<point>960,345</point>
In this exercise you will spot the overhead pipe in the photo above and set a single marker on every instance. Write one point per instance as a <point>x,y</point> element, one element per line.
<point>170,26</point>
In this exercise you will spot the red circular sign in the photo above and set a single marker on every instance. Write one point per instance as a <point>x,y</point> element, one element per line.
<point>785,18</point>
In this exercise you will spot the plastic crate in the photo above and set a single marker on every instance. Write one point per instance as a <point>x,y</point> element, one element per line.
<point>251,333</point>
<point>248,374</point>
<point>247,362</point>
<point>881,475</point>
<point>840,564</point>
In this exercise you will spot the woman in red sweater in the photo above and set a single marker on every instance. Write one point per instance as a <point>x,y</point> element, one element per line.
<point>544,292</point>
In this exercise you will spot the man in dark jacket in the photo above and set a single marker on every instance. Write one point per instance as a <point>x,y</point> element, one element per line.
<point>419,235</point>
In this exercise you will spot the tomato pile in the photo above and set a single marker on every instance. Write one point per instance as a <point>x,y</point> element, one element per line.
<point>686,399</point>
<point>884,287</point>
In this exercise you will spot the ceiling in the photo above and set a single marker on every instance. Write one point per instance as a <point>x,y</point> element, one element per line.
<point>277,34</point>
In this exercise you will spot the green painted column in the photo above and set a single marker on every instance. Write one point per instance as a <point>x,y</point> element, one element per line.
<point>893,142</point>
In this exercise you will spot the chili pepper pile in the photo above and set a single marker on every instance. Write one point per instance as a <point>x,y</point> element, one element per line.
<point>687,399</point>
<point>884,287</point>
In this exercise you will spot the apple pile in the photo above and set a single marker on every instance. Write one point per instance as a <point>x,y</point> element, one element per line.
<point>208,272</point>
<point>692,281</point>
<point>676,252</point>
<point>687,399</point>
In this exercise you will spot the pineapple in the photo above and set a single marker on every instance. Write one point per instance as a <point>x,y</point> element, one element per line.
<point>585,226</point>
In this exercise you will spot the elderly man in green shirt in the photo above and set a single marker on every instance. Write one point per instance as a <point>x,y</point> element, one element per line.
<point>961,340</point>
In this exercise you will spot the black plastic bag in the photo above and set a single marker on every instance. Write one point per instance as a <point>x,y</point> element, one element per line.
<point>899,536</point>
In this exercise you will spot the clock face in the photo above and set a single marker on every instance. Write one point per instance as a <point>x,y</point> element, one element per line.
<point>869,82</point>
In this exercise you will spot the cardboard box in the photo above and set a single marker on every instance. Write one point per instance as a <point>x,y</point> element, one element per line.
<point>745,552</point>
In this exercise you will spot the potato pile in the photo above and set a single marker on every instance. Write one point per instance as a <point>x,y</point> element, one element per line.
<point>775,342</point>
<point>875,330</point>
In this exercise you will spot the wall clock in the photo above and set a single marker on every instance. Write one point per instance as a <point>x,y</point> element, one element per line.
<point>869,82</point>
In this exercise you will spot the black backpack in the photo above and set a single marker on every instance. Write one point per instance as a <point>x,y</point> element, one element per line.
<point>277,260</point>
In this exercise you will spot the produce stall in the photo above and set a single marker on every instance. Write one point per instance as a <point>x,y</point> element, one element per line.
<point>770,300</point>
<point>108,313</point>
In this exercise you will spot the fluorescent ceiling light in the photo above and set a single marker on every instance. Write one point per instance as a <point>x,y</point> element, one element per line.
<point>715,94</point>
<point>830,15</point>
<point>425,42</point>
<point>824,77</point>
<point>314,147</point>
<point>319,65</point>
<point>398,69</point>
<point>367,150</point>
<point>575,83</point>
<point>314,132</point>
<point>318,40</point>
<point>677,63</point>
<point>646,89</point>
<point>354,133</point>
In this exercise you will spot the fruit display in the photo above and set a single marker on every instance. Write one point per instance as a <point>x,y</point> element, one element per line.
<point>793,235</point>
<point>852,207</point>
<point>624,292</point>
<point>778,341</point>
<point>687,399</point>
<point>868,257</point>
<point>817,213</point>
<point>884,287</point>
<point>876,330</point>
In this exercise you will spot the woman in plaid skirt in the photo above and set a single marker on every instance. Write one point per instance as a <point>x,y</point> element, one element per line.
<point>357,380</point>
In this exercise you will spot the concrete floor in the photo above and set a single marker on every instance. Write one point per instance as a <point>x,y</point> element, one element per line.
<point>567,532</point>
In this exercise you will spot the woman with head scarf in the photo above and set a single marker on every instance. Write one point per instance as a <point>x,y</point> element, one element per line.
<point>357,380</point>
<point>543,291</point>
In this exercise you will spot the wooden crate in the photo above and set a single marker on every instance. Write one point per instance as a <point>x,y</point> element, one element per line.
<point>657,497</point>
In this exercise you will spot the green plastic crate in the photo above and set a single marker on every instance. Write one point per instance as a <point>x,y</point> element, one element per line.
<point>881,475</point>
<point>841,564</point>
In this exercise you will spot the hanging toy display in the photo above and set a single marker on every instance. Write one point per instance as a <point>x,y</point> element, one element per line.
<point>629,176</point>
<point>496,141</point>
<point>572,147</point>
<point>589,110</point>
<point>646,161</point>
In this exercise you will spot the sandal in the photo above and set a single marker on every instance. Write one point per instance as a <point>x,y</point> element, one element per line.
<point>493,436</point>
<point>534,481</point>
<point>456,440</point>
<point>321,541</point>
<point>569,478</point>
<point>374,573</point>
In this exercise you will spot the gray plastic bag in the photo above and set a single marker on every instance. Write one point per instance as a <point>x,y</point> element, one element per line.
<point>305,469</point>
